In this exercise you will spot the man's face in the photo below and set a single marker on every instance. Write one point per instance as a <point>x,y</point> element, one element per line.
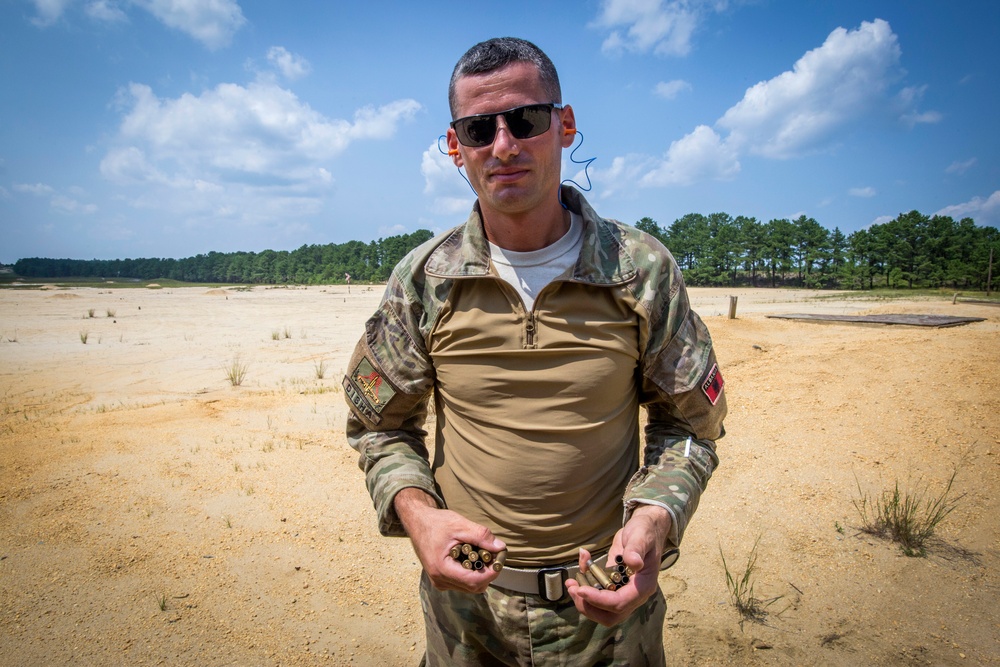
<point>511,176</point>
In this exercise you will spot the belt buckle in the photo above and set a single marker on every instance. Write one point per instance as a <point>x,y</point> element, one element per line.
<point>543,589</point>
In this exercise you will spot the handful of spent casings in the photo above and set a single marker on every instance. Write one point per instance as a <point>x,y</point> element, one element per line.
<point>600,578</point>
<point>472,558</point>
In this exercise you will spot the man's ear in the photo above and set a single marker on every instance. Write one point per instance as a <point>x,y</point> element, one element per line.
<point>567,122</point>
<point>453,152</point>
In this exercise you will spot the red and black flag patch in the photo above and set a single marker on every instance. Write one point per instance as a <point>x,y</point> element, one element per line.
<point>368,390</point>
<point>712,386</point>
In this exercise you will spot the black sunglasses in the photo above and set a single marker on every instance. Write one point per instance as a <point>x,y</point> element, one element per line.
<point>523,122</point>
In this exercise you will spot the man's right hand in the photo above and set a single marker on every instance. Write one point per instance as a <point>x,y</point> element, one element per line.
<point>434,531</point>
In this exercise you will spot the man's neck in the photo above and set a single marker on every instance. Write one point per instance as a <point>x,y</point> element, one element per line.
<point>529,231</point>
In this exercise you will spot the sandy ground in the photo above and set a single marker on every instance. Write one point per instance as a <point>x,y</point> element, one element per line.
<point>151,513</point>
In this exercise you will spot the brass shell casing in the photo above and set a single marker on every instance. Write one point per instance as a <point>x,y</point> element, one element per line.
<point>600,574</point>
<point>499,561</point>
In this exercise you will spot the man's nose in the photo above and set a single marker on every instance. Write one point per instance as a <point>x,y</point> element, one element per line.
<point>504,143</point>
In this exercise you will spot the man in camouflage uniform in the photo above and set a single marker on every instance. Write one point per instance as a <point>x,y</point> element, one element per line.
<point>540,329</point>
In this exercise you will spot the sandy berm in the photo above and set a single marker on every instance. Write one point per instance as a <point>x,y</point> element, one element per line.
<point>151,512</point>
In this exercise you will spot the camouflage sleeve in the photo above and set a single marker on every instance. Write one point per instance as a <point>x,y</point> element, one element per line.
<point>682,389</point>
<point>387,386</point>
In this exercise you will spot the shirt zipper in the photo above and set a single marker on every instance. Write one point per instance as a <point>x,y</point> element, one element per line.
<point>529,331</point>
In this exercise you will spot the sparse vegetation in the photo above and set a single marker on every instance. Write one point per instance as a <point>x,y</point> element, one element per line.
<point>275,335</point>
<point>110,313</point>
<point>320,367</point>
<point>161,602</point>
<point>84,335</point>
<point>236,371</point>
<point>907,517</point>
<point>741,589</point>
<point>90,313</point>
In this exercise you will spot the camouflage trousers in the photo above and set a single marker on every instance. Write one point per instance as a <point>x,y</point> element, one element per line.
<point>501,627</point>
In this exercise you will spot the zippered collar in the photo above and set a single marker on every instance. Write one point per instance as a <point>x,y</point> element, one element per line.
<point>465,252</point>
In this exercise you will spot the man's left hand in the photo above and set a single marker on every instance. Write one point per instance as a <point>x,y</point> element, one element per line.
<point>640,542</point>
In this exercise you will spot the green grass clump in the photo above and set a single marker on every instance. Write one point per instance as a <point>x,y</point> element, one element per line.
<point>236,371</point>
<point>907,517</point>
<point>741,589</point>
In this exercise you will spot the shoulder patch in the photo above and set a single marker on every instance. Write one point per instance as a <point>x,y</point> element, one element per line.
<point>368,390</point>
<point>712,386</point>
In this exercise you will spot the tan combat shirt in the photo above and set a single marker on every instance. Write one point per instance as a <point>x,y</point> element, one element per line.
<point>537,433</point>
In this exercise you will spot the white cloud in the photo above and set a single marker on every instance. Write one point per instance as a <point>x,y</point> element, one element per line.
<point>668,90</point>
<point>665,28</point>
<point>105,10</point>
<point>251,153</point>
<point>128,166</point>
<point>623,174</point>
<point>49,11</point>
<point>907,99</point>
<point>70,205</point>
<point>450,194</point>
<point>828,87</point>
<point>38,189</point>
<point>797,112</point>
<point>56,200</point>
<point>290,65</point>
<point>865,192</point>
<point>236,131</point>
<point>392,230</point>
<point>924,117</point>
<point>701,155</point>
<point>961,167</point>
<point>983,211</point>
<point>211,22</point>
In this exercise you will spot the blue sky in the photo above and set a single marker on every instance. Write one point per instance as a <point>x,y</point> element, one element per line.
<point>168,128</point>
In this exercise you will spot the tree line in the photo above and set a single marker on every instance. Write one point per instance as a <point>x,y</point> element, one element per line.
<point>310,264</point>
<point>913,250</point>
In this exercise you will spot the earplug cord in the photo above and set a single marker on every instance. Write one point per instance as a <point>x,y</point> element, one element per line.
<point>586,170</point>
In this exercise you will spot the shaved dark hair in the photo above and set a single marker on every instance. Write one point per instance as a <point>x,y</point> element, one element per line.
<point>499,52</point>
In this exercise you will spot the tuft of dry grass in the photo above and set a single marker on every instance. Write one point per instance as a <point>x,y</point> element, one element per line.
<point>236,371</point>
<point>907,517</point>
<point>741,589</point>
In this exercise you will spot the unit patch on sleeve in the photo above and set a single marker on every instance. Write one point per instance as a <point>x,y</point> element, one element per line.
<point>368,391</point>
<point>712,386</point>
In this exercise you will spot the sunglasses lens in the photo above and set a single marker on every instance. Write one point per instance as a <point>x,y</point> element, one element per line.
<point>523,123</point>
<point>528,122</point>
<point>477,131</point>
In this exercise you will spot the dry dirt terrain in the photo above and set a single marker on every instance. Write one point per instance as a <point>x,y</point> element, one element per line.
<point>152,513</point>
